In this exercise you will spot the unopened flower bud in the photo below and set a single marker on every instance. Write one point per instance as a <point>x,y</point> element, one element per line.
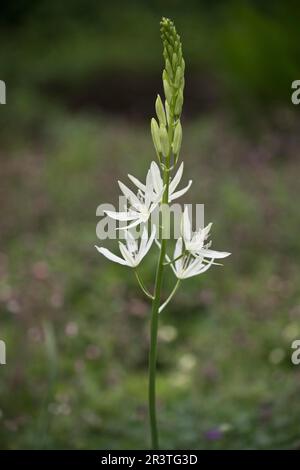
<point>167,111</point>
<point>164,140</point>
<point>179,53</point>
<point>178,77</point>
<point>169,69</point>
<point>174,60</point>
<point>159,107</point>
<point>155,136</point>
<point>167,90</point>
<point>179,103</point>
<point>177,138</point>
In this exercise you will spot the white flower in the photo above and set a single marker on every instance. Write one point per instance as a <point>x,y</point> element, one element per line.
<point>141,205</point>
<point>132,253</point>
<point>158,185</point>
<point>186,265</point>
<point>194,242</point>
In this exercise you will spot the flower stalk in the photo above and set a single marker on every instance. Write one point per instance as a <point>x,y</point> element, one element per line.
<point>192,254</point>
<point>173,82</point>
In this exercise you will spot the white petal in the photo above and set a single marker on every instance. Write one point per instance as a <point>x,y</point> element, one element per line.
<point>144,240</point>
<point>198,270</point>
<point>156,178</point>
<point>129,195</point>
<point>145,215</point>
<point>194,246</point>
<point>197,240</point>
<point>126,255</point>
<point>194,266</point>
<point>121,215</point>
<point>149,189</point>
<point>150,241</point>
<point>129,236</point>
<point>186,228</point>
<point>206,230</point>
<point>152,207</point>
<point>108,254</point>
<point>133,224</point>
<point>137,182</point>
<point>199,237</point>
<point>180,192</point>
<point>175,181</point>
<point>131,242</point>
<point>213,254</point>
<point>179,274</point>
<point>177,252</point>
<point>157,198</point>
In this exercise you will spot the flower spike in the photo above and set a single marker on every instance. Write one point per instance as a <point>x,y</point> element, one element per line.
<point>192,254</point>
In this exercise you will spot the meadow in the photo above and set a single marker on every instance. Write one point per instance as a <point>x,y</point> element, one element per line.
<point>76,327</point>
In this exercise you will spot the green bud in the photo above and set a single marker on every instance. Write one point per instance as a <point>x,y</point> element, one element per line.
<point>159,107</point>
<point>177,138</point>
<point>174,61</point>
<point>167,90</point>
<point>164,140</point>
<point>169,69</point>
<point>179,53</point>
<point>173,81</point>
<point>179,103</point>
<point>178,77</point>
<point>155,136</point>
<point>167,111</point>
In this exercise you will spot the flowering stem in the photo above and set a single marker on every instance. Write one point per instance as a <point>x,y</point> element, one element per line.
<point>167,140</point>
<point>154,327</point>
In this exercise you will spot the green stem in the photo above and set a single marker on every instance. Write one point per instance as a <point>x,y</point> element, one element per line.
<point>170,297</point>
<point>142,285</point>
<point>176,259</point>
<point>155,309</point>
<point>153,348</point>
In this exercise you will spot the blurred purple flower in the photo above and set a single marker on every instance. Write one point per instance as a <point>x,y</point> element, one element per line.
<point>213,434</point>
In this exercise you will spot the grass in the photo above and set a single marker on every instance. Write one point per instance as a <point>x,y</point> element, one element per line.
<point>76,326</point>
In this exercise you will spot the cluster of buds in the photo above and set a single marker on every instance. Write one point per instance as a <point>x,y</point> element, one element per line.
<point>167,131</point>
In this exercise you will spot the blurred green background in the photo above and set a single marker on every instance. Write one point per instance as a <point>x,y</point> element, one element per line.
<point>81,80</point>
